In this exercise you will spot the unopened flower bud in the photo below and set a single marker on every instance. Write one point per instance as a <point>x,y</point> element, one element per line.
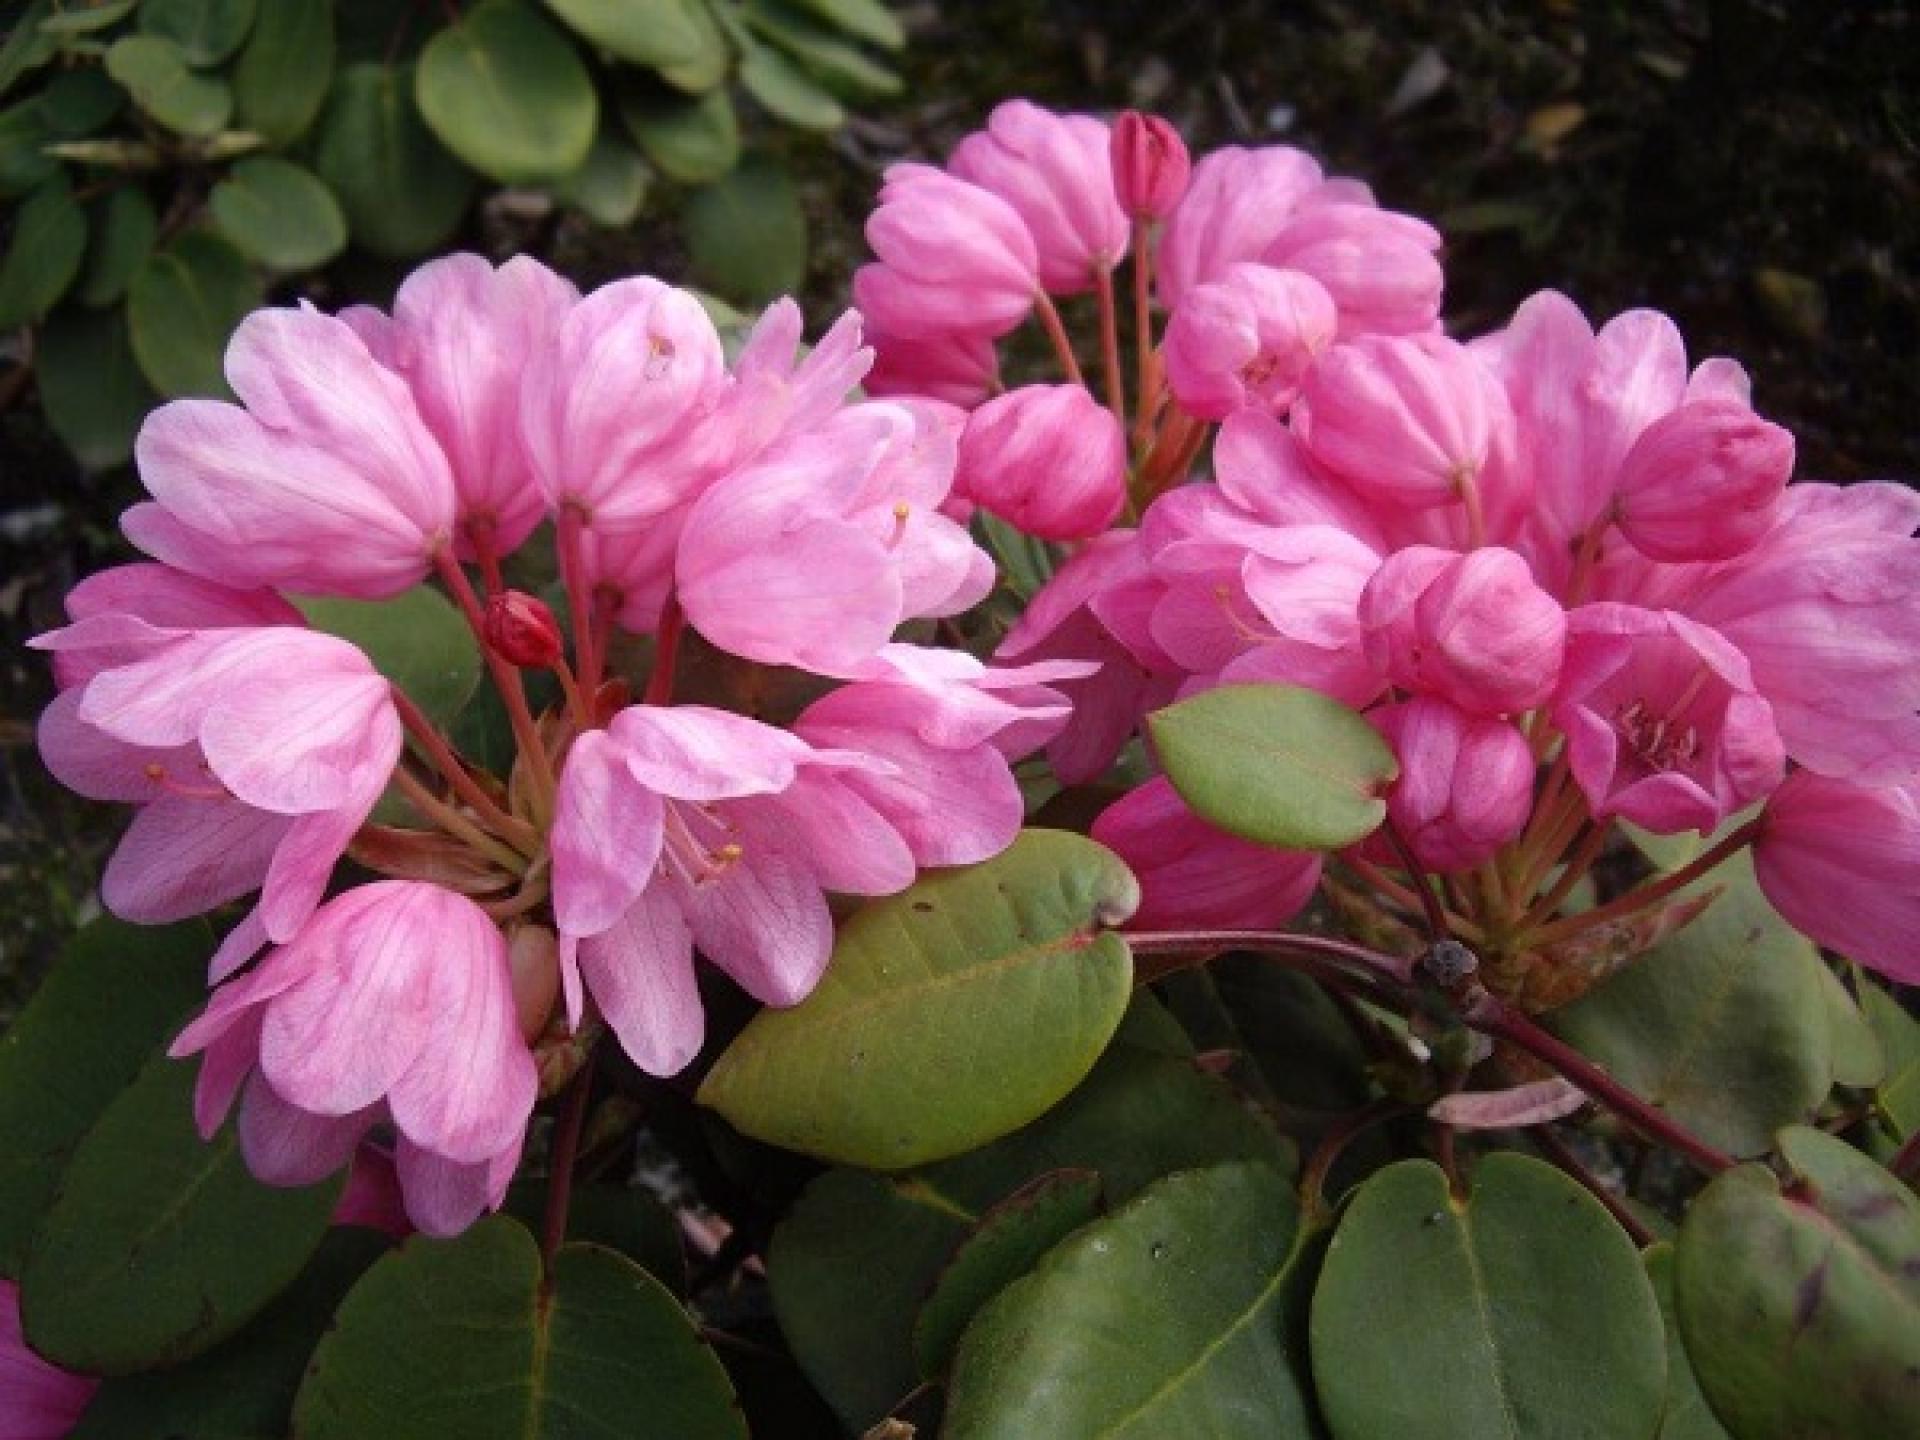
<point>1047,459</point>
<point>1150,165</point>
<point>1703,482</point>
<point>522,631</point>
<point>533,958</point>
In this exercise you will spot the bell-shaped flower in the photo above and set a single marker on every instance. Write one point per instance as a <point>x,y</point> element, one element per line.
<point>1663,725</point>
<point>393,1004</point>
<point>465,336</point>
<point>683,826</point>
<point>324,479</point>
<point>954,368</point>
<point>1057,173</point>
<point>1247,338</point>
<point>1465,786</point>
<point>1842,863</point>
<point>816,552</point>
<point>1237,202</point>
<point>954,258</point>
<point>1150,163</point>
<point>1194,876</point>
<point>1379,266</point>
<point>38,1400</point>
<point>1703,482</point>
<point>1047,459</point>
<point>1474,629</point>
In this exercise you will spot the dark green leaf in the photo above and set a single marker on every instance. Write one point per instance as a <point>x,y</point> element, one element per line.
<point>91,386</point>
<point>28,45</point>
<point>1801,1311</point>
<point>24,137</point>
<point>403,193</point>
<point>1686,1416</point>
<point>866,19</point>
<point>155,72</point>
<point>1166,1319</point>
<point>79,102</point>
<point>182,305</point>
<point>83,17</point>
<point>715,59</point>
<point>207,31</point>
<point>1276,764</point>
<point>747,234</point>
<point>1442,1319</point>
<point>692,141</point>
<point>418,640</point>
<point>160,1245</point>
<point>611,187</point>
<point>841,66</point>
<point>951,1014</point>
<point>245,1386</point>
<point>648,32</point>
<point>787,91</point>
<point>1723,1024</point>
<point>120,239</point>
<point>1006,1243</point>
<point>506,93</point>
<point>117,992</point>
<point>629,1221</point>
<point>281,78</point>
<point>279,214</point>
<point>460,1338</point>
<point>43,254</point>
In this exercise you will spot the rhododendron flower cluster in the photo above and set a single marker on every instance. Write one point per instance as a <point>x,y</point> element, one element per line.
<point>760,505</point>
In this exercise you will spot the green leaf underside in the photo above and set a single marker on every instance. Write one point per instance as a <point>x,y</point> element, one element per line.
<point>951,1014</point>
<point>456,1338</point>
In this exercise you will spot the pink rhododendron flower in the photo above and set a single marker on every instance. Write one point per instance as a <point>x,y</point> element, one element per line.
<point>38,1401</point>
<point>1663,724</point>
<point>1192,875</point>
<point>954,257</point>
<point>1047,459</point>
<point>1150,165</point>
<point>373,1199</point>
<point>956,369</point>
<point>1465,786</point>
<point>1057,173</point>
<point>1842,863</point>
<point>393,1003</point>
<point>1247,338</point>
<point>1703,482</point>
<point>1378,265</point>
<point>1237,202</point>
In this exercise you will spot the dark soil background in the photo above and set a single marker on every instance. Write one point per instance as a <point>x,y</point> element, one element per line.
<point>1752,168</point>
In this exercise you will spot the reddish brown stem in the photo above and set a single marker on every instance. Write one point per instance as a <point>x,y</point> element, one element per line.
<point>1057,333</point>
<point>1562,1156</point>
<point>1642,896</point>
<point>568,1126</point>
<point>1110,348</point>
<point>666,653</point>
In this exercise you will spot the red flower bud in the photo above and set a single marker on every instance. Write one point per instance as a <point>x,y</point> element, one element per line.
<point>522,631</point>
<point>1150,165</point>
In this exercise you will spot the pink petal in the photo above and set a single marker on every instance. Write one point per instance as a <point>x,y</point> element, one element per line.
<point>641,974</point>
<point>185,856</point>
<point>765,922</point>
<point>285,1145</point>
<point>692,752</point>
<point>606,836</point>
<point>443,1197</point>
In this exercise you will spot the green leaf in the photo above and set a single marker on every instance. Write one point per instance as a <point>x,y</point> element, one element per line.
<point>865,19</point>
<point>1276,764</point>
<point>1723,1025</point>
<point>246,1385</point>
<point>120,239</point>
<point>402,192</point>
<point>647,32</point>
<point>715,59</point>
<point>83,17</point>
<point>1435,1318</point>
<point>1167,1319</point>
<point>611,187</point>
<point>461,1338</point>
<point>280,81</point>
<point>155,73</point>
<point>1686,1416</point>
<point>182,306</point>
<point>279,214</point>
<point>842,67</point>
<point>950,1014</point>
<point>43,255</point>
<point>747,234</point>
<point>1006,1243</point>
<point>91,386</point>
<point>1857,1058</point>
<point>117,992</point>
<point>1898,1034</point>
<point>630,1222</point>
<point>24,163</point>
<point>506,93</point>
<point>79,102</point>
<point>788,92</point>
<point>417,639</point>
<point>160,1245</point>
<point>207,31</point>
<point>691,141</point>
<point>28,45</point>
<point>1801,1311</point>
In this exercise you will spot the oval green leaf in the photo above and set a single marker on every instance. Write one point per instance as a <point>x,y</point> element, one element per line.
<point>83,17</point>
<point>1436,1319</point>
<point>43,255</point>
<point>1687,1416</point>
<point>279,214</point>
<point>182,306</point>
<point>281,79</point>
<point>156,74</point>
<point>611,187</point>
<point>461,1338</point>
<point>1276,764</point>
<point>418,640</point>
<point>122,235</point>
<point>90,385</point>
<point>160,1245</point>
<point>24,162</point>
<point>78,102</point>
<point>950,1014</point>
<point>692,141</point>
<point>648,32</point>
<point>865,19</point>
<point>1723,1025</point>
<point>115,995</point>
<point>845,69</point>
<point>403,193</point>
<point>506,93</point>
<point>1801,1311</point>
<point>207,31</point>
<point>787,92</point>
<point>747,234</point>
<point>1169,1318</point>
